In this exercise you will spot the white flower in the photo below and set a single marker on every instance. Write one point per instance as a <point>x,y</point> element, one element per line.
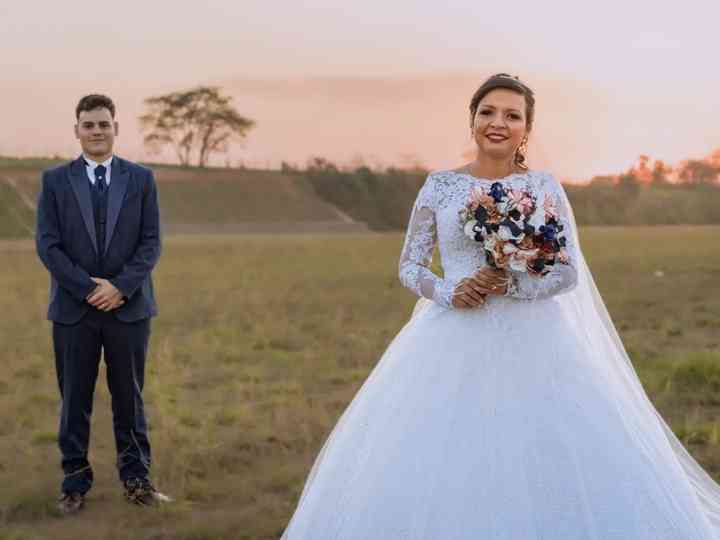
<point>537,218</point>
<point>505,233</point>
<point>502,207</point>
<point>518,258</point>
<point>490,242</point>
<point>469,228</point>
<point>519,265</point>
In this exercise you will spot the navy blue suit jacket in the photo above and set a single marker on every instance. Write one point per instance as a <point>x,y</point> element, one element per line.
<point>66,239</point>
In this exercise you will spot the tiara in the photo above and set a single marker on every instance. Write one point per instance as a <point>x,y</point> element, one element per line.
<point>507,76</point>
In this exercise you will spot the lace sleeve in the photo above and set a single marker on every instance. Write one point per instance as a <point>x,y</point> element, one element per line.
<point>563,276</point>
<point>416,256</point>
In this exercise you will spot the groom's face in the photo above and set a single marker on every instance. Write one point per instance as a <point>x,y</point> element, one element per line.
<point>96,131</point>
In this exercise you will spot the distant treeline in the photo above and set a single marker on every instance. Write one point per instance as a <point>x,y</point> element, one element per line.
<point>383,199</point>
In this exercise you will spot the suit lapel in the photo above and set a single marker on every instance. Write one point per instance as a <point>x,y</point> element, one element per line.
<point>119,177</point>
<point>81,186</point>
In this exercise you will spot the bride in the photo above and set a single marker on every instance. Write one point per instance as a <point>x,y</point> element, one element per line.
<point>507,407</point>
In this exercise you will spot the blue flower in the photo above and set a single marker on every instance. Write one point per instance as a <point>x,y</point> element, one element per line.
<point>548,231</point>
<point>496,191</point>
<point>480,213</point>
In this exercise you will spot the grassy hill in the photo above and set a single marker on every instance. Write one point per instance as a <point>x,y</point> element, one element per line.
<point>194,200</point>
<point>16,219</point>
<point>325,199</point>
<point>229,196</point>
<point>383,200</point>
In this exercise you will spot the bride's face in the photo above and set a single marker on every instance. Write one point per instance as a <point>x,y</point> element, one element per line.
<point>500,123</point>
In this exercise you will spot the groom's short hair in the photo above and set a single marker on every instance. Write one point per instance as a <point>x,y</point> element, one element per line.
<point>94,101</point>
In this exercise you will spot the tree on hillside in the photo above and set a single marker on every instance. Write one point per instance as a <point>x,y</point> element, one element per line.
<point>195,123</point>
<point>641,170</point>
<point>714,159</point>
<point>695,171</point>
<point>660,173</point>
<point>629,184</point>
<point>319,165</point>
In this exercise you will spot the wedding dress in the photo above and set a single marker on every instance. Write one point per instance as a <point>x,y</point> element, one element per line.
<point>522,419</point>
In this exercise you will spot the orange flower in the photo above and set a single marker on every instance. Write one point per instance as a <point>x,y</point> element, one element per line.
<point>487,201</point>
<point>527,242</point>
<point>493,215</point>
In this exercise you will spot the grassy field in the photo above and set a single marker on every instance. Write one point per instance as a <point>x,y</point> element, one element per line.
<point>262,342</point>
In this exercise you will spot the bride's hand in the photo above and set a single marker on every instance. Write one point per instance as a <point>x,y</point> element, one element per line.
<point>491,280</point>
<point>467,294</point>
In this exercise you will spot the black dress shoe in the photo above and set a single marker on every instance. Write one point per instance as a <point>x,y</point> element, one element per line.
<point>70,503</point>
<point>141,492</point>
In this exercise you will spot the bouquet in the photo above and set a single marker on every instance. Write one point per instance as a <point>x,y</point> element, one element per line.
<point>515,233</point>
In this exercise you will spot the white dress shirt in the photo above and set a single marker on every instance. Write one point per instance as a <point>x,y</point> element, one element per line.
<point>91,165</point>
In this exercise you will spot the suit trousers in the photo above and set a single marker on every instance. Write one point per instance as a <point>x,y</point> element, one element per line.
<point>78,348</point>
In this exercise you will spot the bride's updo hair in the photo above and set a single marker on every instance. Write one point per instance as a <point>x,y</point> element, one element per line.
<point>509,82</point>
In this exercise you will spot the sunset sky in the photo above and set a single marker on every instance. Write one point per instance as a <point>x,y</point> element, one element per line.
<point>376,82</point>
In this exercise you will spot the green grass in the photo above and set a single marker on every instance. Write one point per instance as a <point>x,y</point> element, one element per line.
<point>16,220</point>
<point>261,343</point>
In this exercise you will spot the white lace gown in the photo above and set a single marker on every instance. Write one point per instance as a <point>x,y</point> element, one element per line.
<point>489,423</point>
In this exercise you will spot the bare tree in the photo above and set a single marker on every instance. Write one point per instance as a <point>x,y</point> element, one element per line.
<point>196,122</point>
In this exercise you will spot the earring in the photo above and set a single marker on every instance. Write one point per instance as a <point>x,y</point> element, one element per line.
<point>522,149</point>
<point>520,153</point>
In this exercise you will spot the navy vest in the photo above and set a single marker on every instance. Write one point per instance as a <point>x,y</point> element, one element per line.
<point>100,203</point>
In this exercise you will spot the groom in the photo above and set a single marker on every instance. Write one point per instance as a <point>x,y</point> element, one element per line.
<point>98,234</point>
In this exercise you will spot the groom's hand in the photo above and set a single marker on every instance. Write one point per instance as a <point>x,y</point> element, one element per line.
<point>106,296</point>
